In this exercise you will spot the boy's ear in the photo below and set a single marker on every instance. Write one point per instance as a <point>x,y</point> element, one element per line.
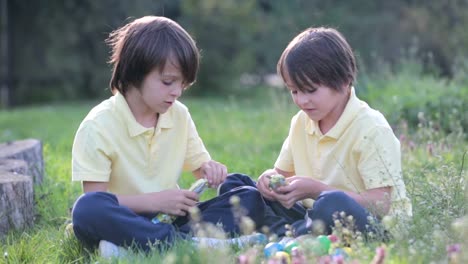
<point>347,86</point>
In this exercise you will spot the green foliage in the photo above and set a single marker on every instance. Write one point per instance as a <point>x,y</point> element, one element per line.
<point>59,45</point>
<point>223,31</point>
<point>426,100</point>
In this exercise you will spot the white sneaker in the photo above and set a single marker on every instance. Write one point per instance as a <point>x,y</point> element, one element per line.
<point>110,250</point>
<point>250,240</point>
<point>210,242</point>
<point>242,241</point>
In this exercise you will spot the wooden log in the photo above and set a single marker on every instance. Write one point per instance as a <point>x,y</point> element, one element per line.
<point>16,202</point>
<point>29,150</point>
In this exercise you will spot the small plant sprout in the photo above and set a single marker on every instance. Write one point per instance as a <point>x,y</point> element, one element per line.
<point>195,214</point>
<point>247,225</point>
<point>234,201</point>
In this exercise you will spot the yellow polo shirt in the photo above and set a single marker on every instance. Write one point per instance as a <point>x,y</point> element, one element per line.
<point>359,153</point>
<point>111,146</point>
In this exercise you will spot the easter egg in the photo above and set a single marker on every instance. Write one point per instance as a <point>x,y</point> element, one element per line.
<point>276,181</point>
<point>323,245</point>
<point>308,244</point>
<point>340,252</point>
<point>348,250</point>
<point>290,245</point>
<point>308,203</point>
<point>199,186</point>
<point>163,218</point>
<point>296,251</point>
<point>297,256</point>
<point>283,257</point>
<point>333,238</point>
<point>271,249</point>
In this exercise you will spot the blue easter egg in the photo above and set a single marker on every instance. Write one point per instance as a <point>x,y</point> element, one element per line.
<point>340,252</point>
<point>271,249</point>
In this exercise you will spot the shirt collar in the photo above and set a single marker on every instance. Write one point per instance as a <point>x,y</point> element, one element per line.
<point>134,128</point>
<point>351,109</point>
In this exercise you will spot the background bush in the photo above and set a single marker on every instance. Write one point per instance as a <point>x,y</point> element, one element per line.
<point>56,48</point>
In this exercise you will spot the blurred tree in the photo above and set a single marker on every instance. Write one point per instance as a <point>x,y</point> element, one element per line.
<point>225,32</point>
<point>58,47</point>
<point>438,30</point>
<point>58,52</point>
<point>4,56</point>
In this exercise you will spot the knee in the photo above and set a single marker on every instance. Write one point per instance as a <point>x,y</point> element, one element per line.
<point>235,180</point>
<point>331,198</point>
<point>331,202</point>
<point>90,205</point>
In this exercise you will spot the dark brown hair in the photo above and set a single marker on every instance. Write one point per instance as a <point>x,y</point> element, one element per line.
<point>318,56</point>
<point>146,44</point>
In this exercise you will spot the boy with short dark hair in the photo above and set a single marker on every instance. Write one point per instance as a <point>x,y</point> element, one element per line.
<point>130,150</point>
<point>340,154</point>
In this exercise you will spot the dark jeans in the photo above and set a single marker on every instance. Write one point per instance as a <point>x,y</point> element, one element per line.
<point>98,216</point>
<point>326,206</point>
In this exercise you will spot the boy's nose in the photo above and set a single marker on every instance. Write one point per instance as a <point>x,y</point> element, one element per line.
<point>301,99</point>
<point>177,91</point>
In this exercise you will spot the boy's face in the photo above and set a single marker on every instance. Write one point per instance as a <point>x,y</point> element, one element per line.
<point>322,104</point>
<point>160,89</point>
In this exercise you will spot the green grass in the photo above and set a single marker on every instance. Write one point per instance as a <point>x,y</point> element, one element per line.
<point>246,134</point>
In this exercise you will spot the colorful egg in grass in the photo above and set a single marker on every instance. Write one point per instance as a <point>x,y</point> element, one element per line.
<point>348,250</point>
<point>283,257</point>
<point>340,252</point>
<point>290,245</point>
<point>199,186</point>
<point>323,245</point>
<point>271,249</point>
<point>333,238</point>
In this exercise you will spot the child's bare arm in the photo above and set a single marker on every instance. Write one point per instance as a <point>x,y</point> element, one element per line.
<point>91,186</point>
<point>377,200</point>
<point>173,201</point>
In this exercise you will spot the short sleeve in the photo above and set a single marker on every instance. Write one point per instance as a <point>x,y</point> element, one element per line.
<point>196,153</point>
<point>380,158</point>
<point>90,155</point>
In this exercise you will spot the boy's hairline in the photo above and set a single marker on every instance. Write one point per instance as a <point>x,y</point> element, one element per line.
<point>300,79</point>
<point>169,55</point>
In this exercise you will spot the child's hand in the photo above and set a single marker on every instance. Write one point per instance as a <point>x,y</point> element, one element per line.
<point>214,172</point>
<point>174,201</point>
<point>263,184</point>
<point>298,188</point>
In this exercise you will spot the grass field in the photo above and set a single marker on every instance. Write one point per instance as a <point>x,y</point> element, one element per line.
<point>246,135</point>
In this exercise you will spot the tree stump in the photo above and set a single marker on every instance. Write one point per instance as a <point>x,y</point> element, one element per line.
<point>29,150</point>
<point>16,202</point>
<point>15,166</point>
<point>21,166</point>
